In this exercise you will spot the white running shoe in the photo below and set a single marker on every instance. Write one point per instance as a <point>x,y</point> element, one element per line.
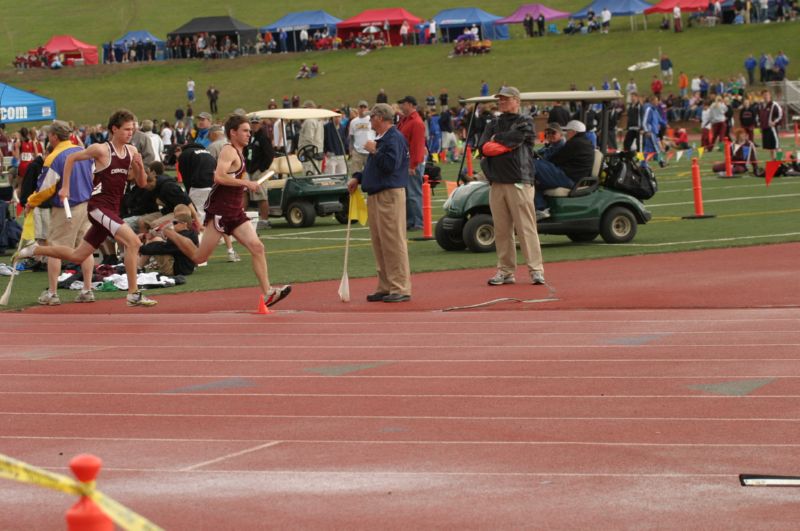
<point>275,295</point>
<point>47,298</point>
<point>233,256</point>
<point>138,299</point>
<point>85,295</point>
<point>25,252</point>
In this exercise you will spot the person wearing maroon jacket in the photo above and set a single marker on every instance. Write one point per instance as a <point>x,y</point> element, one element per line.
<point>748,116</point>
<point>413,129</point>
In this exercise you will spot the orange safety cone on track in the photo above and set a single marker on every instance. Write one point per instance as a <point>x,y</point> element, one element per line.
<point>262,307</point>
<point>85,515</point>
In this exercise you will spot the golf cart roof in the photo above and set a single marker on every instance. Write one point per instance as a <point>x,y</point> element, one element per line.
<point>303,113</point>
<point>564,95</point>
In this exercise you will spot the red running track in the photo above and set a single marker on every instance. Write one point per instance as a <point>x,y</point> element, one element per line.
<point>402,417</point>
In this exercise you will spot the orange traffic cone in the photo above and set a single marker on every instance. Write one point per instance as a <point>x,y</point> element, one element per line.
<point>262,307</point>
<point>86,515</point>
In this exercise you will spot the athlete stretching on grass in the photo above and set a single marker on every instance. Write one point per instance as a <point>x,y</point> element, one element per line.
<point>113,161</point>
<point>224,212</point>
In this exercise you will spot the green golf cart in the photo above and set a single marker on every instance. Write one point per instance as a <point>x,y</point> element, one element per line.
<point>580,213</point>
<point>300,192</point>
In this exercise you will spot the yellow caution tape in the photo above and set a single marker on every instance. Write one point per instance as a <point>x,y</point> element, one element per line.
<point>16,470</point>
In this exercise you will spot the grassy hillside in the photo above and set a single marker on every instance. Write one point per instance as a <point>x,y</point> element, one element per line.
<point>25,25</point>
<point>156,89</point>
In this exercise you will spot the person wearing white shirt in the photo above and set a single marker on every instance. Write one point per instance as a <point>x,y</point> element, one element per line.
<point>278,140</point>
<point>303,40</point>
<point>677,23</point>
<point>605,19</point>
<point>630,88</point>
<point>432,32</point>
<point>190,90</point>
<point>360,132</point>
<point>166,134</point>
<point>155,140</point>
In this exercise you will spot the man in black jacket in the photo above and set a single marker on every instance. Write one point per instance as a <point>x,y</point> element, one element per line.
<point>634,114</point>
<point>258,155</point>
<point>558,114</point>
<point>566,167</point>
<point>197,166</point>
<point>507,148</point>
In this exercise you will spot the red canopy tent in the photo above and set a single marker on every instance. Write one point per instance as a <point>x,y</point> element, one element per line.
<point>72,49</point>
<point>666,6</point>
<point>378,17</point>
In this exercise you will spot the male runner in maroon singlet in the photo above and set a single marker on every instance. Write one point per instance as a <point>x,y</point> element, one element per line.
<point>113,161</point>
<point>224,212</point>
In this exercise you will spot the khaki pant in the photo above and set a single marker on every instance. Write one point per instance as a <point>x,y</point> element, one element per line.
<point>262,194</point>
<point>199,196</point>
<point>41,222</point>
<point>165,264</point>
<point>68,233</point>
<point>512,208</point>
<point>357,161</point>
<point>387,229</point>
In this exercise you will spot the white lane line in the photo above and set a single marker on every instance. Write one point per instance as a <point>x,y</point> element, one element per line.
<point>603,397</point>
<point>398,417</point>
<point>403,377</point>
<point>13,321</point>
<point>225,346</point>
<point>650,334</point>
<point>229,456</point>
<point>713,240</point>
<point>727,200</point>
<point>402,442</point>
<point>412,360</point>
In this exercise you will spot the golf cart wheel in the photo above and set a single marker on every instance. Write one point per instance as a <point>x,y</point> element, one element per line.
<point>479,233</point>
<point>341,216</point>
<point>448,239</point>
<point>300,214</point>
<point>582,237</point>
<point>618,225</point>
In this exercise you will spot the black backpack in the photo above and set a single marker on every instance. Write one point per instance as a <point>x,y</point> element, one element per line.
<point>10,231</point>
<point>625,174</point>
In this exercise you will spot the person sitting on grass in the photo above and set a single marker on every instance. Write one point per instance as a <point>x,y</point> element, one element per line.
<point>743,152</point>
<point>303,73</point>
<point>160,251</point>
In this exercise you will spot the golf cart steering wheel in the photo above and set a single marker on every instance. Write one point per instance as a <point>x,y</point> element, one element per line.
<point>310,153</point>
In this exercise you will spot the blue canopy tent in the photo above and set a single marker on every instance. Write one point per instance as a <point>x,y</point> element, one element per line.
<point>451,23</point>
<point>131,38</point>
<point>618,8</point>
<point>17,105</point>
<point>293,23</point>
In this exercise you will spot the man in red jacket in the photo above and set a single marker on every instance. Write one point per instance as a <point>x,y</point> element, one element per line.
<point>413,129</point>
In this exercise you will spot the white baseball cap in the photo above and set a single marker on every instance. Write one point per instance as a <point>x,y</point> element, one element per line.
<point>575,125</point>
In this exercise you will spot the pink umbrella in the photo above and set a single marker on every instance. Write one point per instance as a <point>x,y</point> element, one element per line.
<point>534,10</point>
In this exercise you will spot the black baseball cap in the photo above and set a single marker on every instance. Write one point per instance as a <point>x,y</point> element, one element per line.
<point>409,99</point>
